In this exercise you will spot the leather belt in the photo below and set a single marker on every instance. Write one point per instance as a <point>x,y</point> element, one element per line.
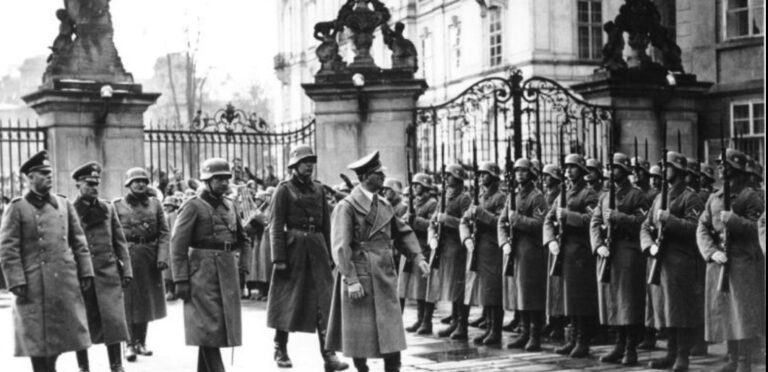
<point>306,228</point>
<point>140,240</point>
<point>216,246</point>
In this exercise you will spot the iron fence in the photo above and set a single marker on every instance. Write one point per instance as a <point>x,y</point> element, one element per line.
<point>19,140</point>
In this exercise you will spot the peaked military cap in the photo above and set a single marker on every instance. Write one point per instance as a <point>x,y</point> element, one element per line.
<point>39,162</point>
<point>90,172</point>
<point>367,164</point>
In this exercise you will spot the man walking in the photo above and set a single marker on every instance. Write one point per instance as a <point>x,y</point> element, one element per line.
<point>146,230</point>
<point>205,266</point>
<point>111,266</point>
<point>365,317</point>
<point>46,263</point>
<point>302,283</point>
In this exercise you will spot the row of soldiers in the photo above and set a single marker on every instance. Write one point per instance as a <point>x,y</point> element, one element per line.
<point>477,243</point>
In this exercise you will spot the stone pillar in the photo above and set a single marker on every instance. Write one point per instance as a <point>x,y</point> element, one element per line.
<point>642,105</point>
<point>354,121</point>
<point>78,130</point>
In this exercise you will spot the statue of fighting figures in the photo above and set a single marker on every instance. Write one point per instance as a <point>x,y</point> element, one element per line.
<point>404,54</point>
<point>62,45</point>
<point>328,50</point>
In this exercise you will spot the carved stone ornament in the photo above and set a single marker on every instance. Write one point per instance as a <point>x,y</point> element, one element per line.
<point>84,48</point>
<point>328,50</point>
<point>362,17</point>
<point>404,54</point>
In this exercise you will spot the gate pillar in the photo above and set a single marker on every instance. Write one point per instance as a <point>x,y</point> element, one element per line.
<point>643,105</point>
<point>355,120</point>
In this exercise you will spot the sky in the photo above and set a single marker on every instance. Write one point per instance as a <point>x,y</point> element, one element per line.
<point>236,36</point>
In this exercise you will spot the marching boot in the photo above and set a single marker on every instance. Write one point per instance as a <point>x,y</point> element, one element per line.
<point>113,354</point>
<point>744,363</point>
<point>685,340</point>
<point>446,320</point>
<point>537,324</point>
<point>419,317</point>
<point>361,364</point>
<point>583,337</point>
<point>402,305</point>
<point>82,360</point>
<point>700,347</point>
<point>209,360</point>
<point>649,339</point>
<point>667,361</point>
<point>392,362</point>
<point>454,323</point>
<point>570,337</point>
<point>426,322</point>
<point>281,350</point>
<point>461,332</point>
<point>487,315</point>
<point>514,323</point>
<point>476,323</point>
<point>141,344</point>
<point>450,319</point>
<point>633,338</point>
<point>615,355</point>
<point>494,328</point>
<point>733,357</point>
<point>44,364</point>
<point>331,361</point>
<point>130,352</point>
<point>525,334</point>
<point>557,329</point>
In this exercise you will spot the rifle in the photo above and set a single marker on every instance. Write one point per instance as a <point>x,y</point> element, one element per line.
<point>654,275</point>
<point>476,203</point>
<point>605,269</point>
<point>408,266</point>
<point>723,278</point>
<point>509,269</point>
<point>435,262</point>
<point>557,265</point>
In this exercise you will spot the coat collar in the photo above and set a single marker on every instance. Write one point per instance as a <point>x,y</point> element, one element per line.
<point>215,202</point>
<point>91,212</point>
<point>39,201</point>
<point>362,205</point>
<point>136,199</point>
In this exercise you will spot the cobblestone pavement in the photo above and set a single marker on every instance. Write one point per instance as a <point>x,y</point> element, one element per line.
<point>166,338</point>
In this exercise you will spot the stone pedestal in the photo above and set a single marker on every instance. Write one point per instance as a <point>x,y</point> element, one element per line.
<point>642,104</point>
<point>354,121</point>
<point>73,111</point>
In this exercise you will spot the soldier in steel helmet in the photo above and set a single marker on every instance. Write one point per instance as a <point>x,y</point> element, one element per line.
<point>530,258</point>
<point>146,230</point>
<point>649,334</point>
<point>677,300</point>
<point>622,301</point>
<point>738,315</point>
<point>707,179</point>
<point>594,176</point>
<point>579,287</point>
<point>393,192</point>
<point>447,282</point>
<point>484,286</point>
<point>411,284</point>
<point>47,266</point>
<point>556,318</point>
<point>654,174</point>
<point>302,279</point>
<point>171,205</point>
<point>112,267</point>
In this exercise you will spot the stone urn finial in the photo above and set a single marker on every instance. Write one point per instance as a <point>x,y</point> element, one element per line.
<point>362,17</point>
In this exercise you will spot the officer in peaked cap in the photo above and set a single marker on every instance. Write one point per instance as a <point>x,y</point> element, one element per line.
<point>412,285</point>
<point>579,294</point>
<point>446,283</point>
<point>677,301</point>
<point>47,272</point>
<point>302,280</point>
<point>622,298</point>
<point>371,325</point>
<point>104,302</point>
<point>147,232</point>
<point>208,232</point>
<point>737,315</point>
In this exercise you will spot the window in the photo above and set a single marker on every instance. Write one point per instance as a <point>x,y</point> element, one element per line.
<point>590,29</point>
<point>748,126</point>
<point>494,36</point>
<point>454,35</point>
<point>744,18</point>
<point>426,53</point>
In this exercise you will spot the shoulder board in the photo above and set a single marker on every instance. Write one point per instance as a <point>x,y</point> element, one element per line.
<point>62,195</point>
<point>14,200</point>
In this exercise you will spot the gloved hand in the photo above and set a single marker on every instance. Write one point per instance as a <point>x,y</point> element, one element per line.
<point>356,291</point>
<point>554,248</point>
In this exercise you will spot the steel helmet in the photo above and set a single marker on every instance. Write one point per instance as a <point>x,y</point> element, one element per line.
<point>136,173</point>
<point>214,167</point>
<point>553,171</point>
<point>693,166</point>
<point>640,163</point>
<point>756,169</point>
<point>393,184</point>
<point>523,163</point>
<point>536,167</point>
<point>577,160</point>
<point>422,179</point>
<point>456,170</point>
<point>593,163</point>
<point>677,160</point>
<point>736,160</point>
<point>707,171</point>
<point>655,171</point>
<point>490,168</point>
<point>622,161</point>
<point>300,153</point>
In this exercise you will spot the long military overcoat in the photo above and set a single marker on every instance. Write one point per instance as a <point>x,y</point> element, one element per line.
<point>43,247</point>
<point>300,229</point>
<point>411,284</point>
<point>170,218</point>
<point>529,257</point>
<point>447,282</point>
<point>650,195</point>
<point>555,300</point>
<point>204,245</point>
<point>362,249</point>
<point>260,266</point>
<point>111,263</point>
<point>622,301</point>
<point>678,300</point>
<point>484,286</point>
<point>740,313</point>
<point>147,232</point>
<point>579,284</point>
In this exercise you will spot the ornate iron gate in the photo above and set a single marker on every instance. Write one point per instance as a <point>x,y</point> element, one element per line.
<point>18,141</point>
<point>230,134</point>
<point>529,113</point>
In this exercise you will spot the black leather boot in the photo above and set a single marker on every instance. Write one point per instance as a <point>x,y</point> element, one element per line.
<point>525,333</point>
<point>668,360</point>
<point>450,319</point>
<point>82,360</point>
<point>537,324</point>
<point>744,363</point>
<point>361,364</point>
<point>583,337</point>
<point>685,340</point>
<point>141,339</point>
<point>426,322</point>
<point>494,328</point>
<point>570,339</point>
<point>281,350</point>
<point>331,361</point>
<point>392,362</point>
<point>476,322</point>
<point>461,332</point>
<point>700,347</point>
<point>615,355</point>
<point>634,333</point>
<point>649,339</point>
<point>419,317</point>
<point>514,323</point>
<point>732,357</point>
<point>453,324</point>
<point>130,352</point>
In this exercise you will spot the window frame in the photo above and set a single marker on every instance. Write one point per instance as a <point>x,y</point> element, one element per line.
<point>495,60</point>
<point>750,118</point>
<point>454,44</point>
<point>594,47</point>
<point>751,10</point>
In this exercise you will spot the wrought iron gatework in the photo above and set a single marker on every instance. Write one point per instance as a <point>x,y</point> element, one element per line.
<point>19,140</point>
<point>530,113</point>
<point>243,139</point>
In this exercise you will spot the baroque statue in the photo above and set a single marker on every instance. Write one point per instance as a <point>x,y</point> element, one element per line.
<point>328,50</point>
<point>404,54</point>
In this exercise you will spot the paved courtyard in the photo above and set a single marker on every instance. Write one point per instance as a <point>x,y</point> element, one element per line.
<point>166,338</point>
